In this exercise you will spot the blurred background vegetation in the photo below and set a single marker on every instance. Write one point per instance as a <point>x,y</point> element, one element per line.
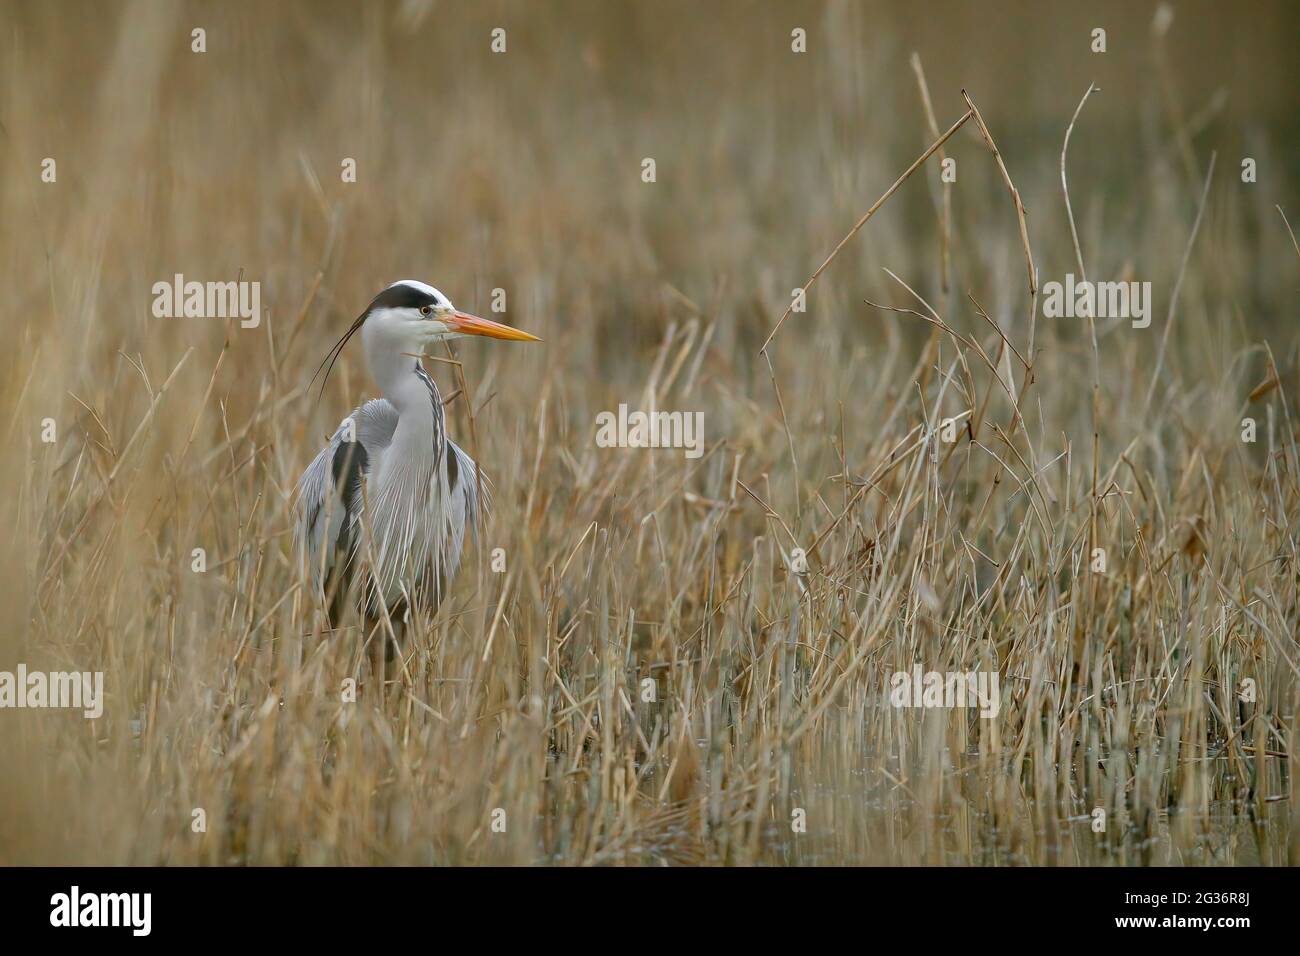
<point>522,171</point>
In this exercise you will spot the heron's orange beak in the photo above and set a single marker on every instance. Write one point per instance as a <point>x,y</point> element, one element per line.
<point>468,324</point>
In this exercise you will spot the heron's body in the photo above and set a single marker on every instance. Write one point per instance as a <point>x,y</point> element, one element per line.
<point>383,508</point>
<point>363,506</point>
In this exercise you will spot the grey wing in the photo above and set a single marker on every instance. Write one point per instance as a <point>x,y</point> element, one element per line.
<point>464,481</point>
<point>330,495</point>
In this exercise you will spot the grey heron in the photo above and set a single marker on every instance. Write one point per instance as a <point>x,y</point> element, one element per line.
<point>382,509</point>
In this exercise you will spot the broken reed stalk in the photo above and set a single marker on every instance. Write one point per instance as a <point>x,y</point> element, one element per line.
<point>1092,329</point>
<point>945,219</point>
<point>1024,242</point>
<point>868,214</point>
<point>1178,285</point>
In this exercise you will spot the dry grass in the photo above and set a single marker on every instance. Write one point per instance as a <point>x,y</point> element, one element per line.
<point>1120,689</point>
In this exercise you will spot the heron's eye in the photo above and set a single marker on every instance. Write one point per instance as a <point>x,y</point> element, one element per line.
<point>426,310</point>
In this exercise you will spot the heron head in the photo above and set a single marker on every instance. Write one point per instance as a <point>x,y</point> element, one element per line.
<point>410,316</point>
<point>414,314</point>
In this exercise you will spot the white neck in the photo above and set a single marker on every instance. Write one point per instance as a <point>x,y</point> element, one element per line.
<point>393,366</point>
<point>394,373</point>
